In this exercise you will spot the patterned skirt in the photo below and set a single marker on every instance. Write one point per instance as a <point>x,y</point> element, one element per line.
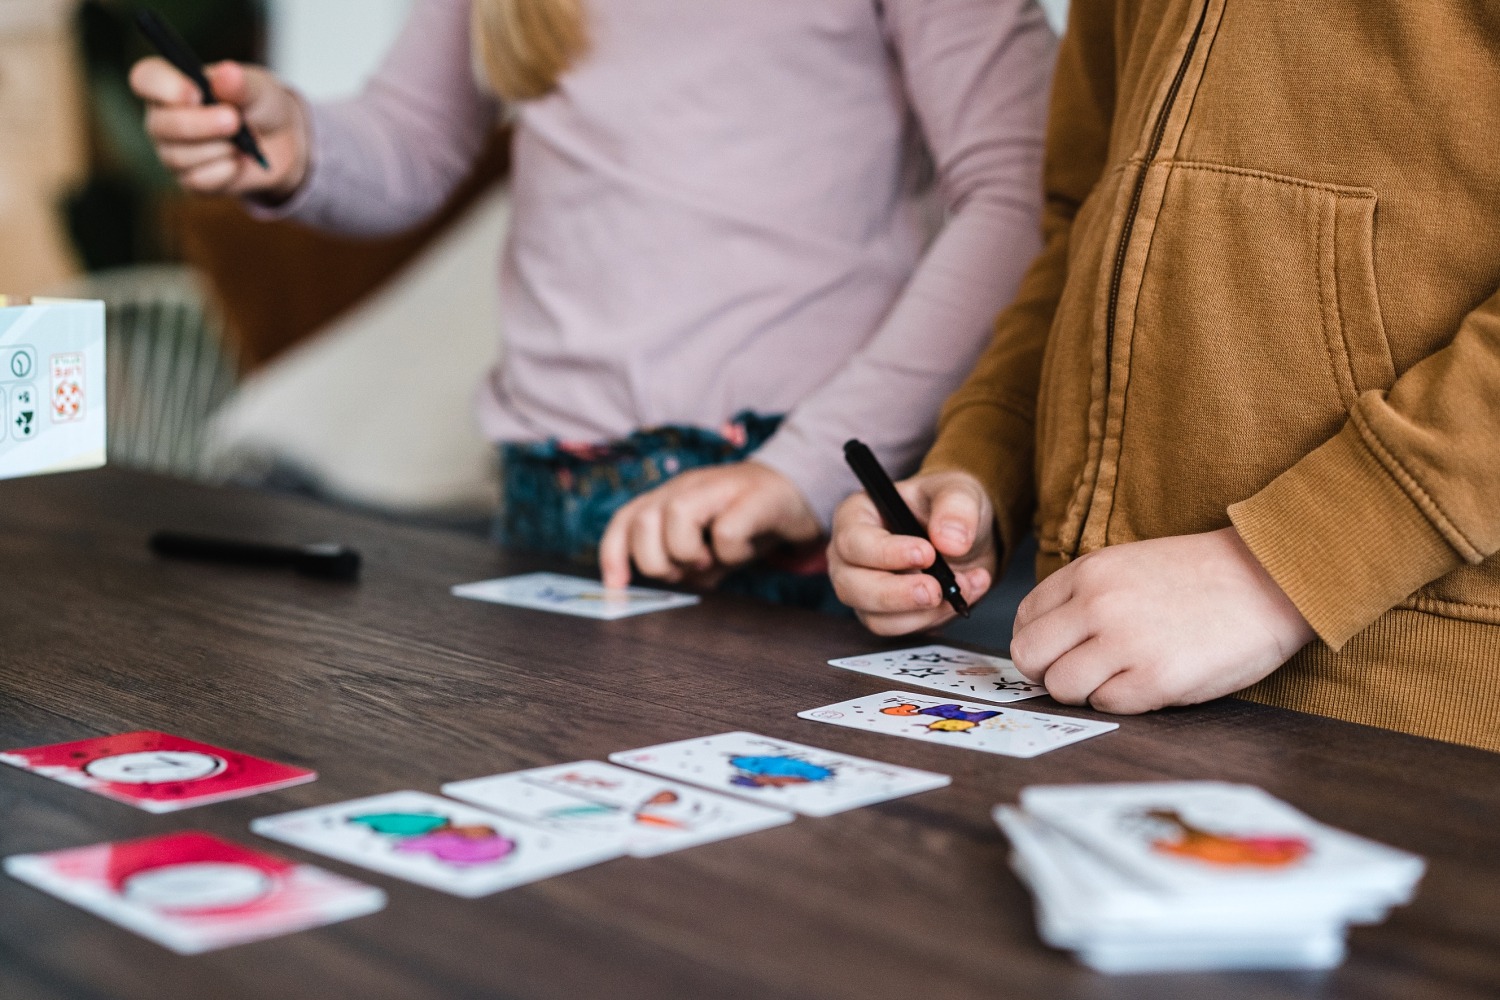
<point>559,497</point>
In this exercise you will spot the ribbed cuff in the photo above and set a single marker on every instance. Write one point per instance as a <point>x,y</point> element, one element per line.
<point>1342,537</point>
<point>995,445</point>
<point>303,200</point>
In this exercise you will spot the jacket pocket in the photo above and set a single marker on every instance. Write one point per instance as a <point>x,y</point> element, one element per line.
<point>1256,325</point>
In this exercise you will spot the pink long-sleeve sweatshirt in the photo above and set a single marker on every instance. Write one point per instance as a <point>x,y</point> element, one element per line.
<point>721,208</point>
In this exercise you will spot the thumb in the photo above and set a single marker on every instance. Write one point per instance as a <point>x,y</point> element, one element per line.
<point>230,83</point>
<point>734,531</point>
<point>957,513</point>
<point>259,95</point>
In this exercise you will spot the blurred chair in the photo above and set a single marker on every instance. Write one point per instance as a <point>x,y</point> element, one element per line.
<point>169,366</point>
<point>377,409</point>
<point>360,357</point>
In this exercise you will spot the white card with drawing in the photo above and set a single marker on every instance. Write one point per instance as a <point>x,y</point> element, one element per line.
<point>653,815</point>
<point>436,842</point>
<point>944,668</point>
<point>777,773</point>
<point>571,595</point>
<point>1009,732</point>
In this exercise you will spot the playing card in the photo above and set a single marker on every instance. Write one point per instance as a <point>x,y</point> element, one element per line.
<point>944,668</point>
<point>438,843</point>
<point>193,892</point>
<point>1210,837</point>
<point>787,775</point>
<point>571,595</point>
<point>1006,731</point>
<point>1083,900</point>
<point>52,384</point>
<point>652,815</point>
<point>1321,951</point>
<point>155,771</point>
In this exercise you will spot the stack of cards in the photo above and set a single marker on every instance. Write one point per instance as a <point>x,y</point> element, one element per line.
<point>1196,876</point>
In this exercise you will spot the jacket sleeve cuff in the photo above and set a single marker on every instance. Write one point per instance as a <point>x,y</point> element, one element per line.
<point>994,444</point>
<point>1345,535</point>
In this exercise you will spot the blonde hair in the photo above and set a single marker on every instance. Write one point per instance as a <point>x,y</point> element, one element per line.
<point>523,46</point>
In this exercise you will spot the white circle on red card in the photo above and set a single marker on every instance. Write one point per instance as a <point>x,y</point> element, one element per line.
<point>155,766</point>
<point>199,885</point>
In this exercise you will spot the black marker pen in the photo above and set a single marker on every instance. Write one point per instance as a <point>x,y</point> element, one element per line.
<point>899,518</point>
<point>175,51</point>
<point>327,561</point>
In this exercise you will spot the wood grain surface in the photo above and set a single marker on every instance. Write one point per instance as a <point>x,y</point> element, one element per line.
<point>391,684</point>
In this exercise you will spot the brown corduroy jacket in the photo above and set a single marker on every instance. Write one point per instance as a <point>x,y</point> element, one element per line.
<point>1270,297</point>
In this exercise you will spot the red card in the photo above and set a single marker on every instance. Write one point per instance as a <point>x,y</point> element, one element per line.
<point>157,772</point>
<point>193,892</point>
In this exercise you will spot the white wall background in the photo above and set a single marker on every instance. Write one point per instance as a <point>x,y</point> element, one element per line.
<point>1057,13</point>
<point>326,48</point>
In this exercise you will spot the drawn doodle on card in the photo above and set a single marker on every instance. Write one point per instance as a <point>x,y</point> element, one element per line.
<point>438,837</point>
<point>1175,836</point>
<point>949,718</point>
<point>777,771</point>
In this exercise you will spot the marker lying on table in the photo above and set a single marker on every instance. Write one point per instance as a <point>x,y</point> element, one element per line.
<point>327,561</point>
<point>899,518</point>
<point>175,51</point>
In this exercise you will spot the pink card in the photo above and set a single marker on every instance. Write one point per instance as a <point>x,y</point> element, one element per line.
<point>192,892</point>
<point>157,772</point>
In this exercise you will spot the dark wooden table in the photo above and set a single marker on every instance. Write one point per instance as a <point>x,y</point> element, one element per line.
<point>392,684</point>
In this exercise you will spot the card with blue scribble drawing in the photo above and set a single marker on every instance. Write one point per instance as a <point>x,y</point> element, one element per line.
<point>572,595</point>
<point>787,775</point>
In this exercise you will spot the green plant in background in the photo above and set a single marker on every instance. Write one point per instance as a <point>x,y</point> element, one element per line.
<point>115,217</point>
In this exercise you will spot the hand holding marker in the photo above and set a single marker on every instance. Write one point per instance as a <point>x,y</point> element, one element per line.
<point>899,518</point>
<point>175,51</point>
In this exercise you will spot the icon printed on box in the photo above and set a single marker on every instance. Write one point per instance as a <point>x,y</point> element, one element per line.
<point>23,412</point>
<point>22,363</point>
<point>67,387</point>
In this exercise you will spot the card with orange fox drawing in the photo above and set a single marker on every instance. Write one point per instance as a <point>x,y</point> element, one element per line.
<point>1202,835</point>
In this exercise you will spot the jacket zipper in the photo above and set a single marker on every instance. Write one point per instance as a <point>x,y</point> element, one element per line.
<point>1158,134</point>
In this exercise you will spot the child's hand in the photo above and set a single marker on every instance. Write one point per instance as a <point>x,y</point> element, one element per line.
<point>193,141</point>
<point>878,573</point>
<point>698,524</point>
<point>1172,621</point>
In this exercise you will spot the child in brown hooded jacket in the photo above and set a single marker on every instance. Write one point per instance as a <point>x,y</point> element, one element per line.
<point>1250,390</point>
